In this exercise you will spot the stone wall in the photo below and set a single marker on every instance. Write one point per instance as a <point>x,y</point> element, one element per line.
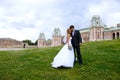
<point>10,43</point>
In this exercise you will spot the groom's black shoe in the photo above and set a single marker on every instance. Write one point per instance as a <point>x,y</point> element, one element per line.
<point>80,64</point>
<point>75,61</point>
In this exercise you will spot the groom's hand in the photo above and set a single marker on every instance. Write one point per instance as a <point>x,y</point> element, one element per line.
<point>80,43</point>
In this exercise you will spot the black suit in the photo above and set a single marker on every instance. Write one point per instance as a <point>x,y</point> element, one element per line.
<point>76,39</point>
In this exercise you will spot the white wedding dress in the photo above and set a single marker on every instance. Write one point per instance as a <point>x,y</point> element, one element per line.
<point>64,58</point>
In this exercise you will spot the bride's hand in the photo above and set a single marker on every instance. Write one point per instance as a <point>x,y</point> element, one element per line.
<point>69,44</point>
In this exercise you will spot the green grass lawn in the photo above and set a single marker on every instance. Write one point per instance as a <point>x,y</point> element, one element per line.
<point>101,62</point>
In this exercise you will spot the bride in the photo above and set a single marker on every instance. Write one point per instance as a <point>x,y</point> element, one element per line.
<point>65,57</point>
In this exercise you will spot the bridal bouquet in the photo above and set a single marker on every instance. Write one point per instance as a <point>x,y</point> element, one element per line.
<point>70,47</point>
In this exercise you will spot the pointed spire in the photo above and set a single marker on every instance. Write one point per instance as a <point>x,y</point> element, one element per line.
<point>96,21</point>
<point>57,32</point>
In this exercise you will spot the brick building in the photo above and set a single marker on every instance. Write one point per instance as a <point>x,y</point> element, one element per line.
<point>10,43</point>
<point>95,32</point>
<point>98,31</point>
<point>56,39</point>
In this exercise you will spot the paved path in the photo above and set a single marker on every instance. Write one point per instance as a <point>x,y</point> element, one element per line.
<point>4,49</point>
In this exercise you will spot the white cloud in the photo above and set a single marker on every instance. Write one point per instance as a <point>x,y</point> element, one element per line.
<point>116,15</point>
<point>25,19</point>
<point>39,23</point>
<point>26,33</point>
<point>1,11</point>
<point>2,24</point>
<point>113,18</point>
<point>108,11</point>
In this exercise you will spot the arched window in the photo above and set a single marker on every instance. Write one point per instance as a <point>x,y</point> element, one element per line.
<point>113,35</point>
<point>117,35</point>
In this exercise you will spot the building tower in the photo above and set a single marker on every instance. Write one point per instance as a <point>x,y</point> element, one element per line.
<point>56,37</point>
<point>41,40</point>
<point>96,29</point>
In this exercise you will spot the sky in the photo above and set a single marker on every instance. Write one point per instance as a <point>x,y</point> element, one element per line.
<point>26,19</point>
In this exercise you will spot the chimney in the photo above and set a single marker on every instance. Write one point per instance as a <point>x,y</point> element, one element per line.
<point>118,25</point>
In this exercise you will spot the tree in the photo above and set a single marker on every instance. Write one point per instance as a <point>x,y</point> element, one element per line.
<point>28,41</point>
<point>36,42</point>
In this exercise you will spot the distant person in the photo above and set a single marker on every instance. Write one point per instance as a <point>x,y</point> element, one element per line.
<point>65,57</point>
<point>24,45</point>
<point>76,42</point>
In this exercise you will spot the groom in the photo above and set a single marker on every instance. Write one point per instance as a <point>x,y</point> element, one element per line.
<point>76,42</point>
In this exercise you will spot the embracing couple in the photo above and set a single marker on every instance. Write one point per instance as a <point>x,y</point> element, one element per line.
<point>70,53</point>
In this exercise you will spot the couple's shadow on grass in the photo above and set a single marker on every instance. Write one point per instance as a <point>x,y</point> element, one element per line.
<point>63,67</point>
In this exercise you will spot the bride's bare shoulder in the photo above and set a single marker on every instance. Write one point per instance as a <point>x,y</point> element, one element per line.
<point>68,35</point>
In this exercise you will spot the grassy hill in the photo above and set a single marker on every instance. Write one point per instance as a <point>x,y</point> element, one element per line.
<point>101,62</point>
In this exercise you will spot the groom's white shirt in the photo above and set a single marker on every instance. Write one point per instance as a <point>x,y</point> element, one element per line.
<point>73,32</point>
